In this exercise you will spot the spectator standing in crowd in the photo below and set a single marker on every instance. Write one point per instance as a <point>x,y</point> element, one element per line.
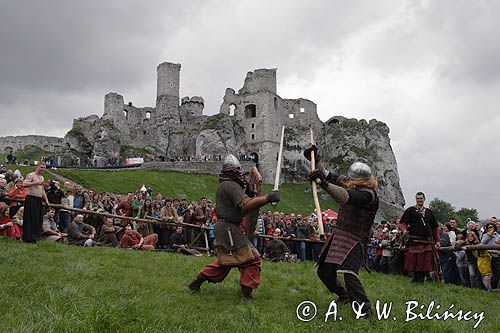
<point>137,204</point>
<point>474,279</point>
<point>145,228</point>
<point>451,234</point>
<point>55,196</point>
<point>471,227</point>
<point>19,192</point>
<point>454,228</point>
<point>346,249</point>
<point>421,226</point>
<point>168,214</point>
<point>64,214</point>
<point>80,198</point>
<point>301,231</point>
<point>211,235</point>
<point>233,247</point>
<point>484,267</point>
<point>387,252</point>
<point>33,209</point>
<point>125,208</point>
<point>491,237</point>
<point>461,262</point>
<point>447,259</point>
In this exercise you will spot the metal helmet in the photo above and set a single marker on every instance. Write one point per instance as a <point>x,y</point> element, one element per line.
<point>359,170</point>
<point>230,162</point>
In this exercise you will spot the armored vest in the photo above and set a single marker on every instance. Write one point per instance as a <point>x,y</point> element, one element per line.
<point>358,220</point>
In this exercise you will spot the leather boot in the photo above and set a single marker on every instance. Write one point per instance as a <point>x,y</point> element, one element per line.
<point>246,293</point>
<point>195,285</point>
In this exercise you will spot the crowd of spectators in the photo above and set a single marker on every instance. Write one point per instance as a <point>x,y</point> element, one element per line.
<point>466,267</point>
<point>278,235</point>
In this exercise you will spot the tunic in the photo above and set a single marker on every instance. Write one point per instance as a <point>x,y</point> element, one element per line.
<point>352,230</point>
<point>232,246</point>
<point>420,224</point>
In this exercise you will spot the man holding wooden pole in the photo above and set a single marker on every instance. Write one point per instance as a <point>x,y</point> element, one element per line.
<point>345,251</point>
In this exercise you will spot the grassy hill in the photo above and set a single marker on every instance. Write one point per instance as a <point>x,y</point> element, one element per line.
<point>295,197</point>
<point>54,288</point>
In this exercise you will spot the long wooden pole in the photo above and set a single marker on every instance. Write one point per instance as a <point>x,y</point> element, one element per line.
<point>148,219</point>
<point>470,247</point>
<point>314,189</point>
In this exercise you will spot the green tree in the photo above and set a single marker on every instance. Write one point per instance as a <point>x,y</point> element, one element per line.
<point>464,213</point>
<point>442,210</point>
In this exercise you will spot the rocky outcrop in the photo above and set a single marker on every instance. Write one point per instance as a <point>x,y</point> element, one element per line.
<point>350,140</point>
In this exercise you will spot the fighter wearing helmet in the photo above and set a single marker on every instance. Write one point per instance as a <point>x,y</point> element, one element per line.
<point>232,247</point>
<point>345,251</point>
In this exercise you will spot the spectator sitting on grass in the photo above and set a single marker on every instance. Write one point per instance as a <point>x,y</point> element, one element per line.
<point>132,240</point>
<point>49,228</point>
<point>3,190</point>
<point>7,227</point>
<point>179,244</point>
<point>108,233</point>
<point>276,250</point>
<point>80,233</point>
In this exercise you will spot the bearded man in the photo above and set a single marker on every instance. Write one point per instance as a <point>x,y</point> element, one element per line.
<point>420,226</point>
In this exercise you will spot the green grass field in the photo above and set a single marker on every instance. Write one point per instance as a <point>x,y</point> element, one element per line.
<point>55,288</point>
<point>295,197</point>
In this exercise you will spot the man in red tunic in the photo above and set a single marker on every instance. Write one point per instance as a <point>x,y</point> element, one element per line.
<point>345,251</point>
<point>132,240</point>
<point>421,227</point>
<point>233,247</point>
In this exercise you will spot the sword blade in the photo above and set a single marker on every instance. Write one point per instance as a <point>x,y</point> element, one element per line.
<point>280,157</point>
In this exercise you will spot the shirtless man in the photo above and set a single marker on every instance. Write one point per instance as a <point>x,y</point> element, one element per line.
<point>33,210</point>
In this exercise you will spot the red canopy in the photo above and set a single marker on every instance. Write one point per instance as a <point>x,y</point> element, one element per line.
<point>329,214</point>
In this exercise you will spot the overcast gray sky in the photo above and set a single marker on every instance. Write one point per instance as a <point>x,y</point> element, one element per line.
<point>429,69</point>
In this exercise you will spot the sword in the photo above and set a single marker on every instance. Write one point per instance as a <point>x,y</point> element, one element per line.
<point>280,157</point>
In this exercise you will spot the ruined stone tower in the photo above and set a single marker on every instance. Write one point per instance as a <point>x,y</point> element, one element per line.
<point>167,92</point>
<point>262,113</point>
<point>113,110</point>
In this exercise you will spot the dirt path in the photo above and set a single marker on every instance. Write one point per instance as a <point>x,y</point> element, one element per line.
<point>62,179</point>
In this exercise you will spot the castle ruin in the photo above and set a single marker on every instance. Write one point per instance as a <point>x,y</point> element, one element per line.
<point>249,121</point>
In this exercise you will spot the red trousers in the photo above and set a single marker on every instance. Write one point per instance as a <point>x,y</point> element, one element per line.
<point>249,272</point>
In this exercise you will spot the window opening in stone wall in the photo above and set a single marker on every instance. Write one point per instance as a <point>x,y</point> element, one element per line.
<point>253,136</point>
<point>275,104</point>
<point>148,115</point>
<point>125,113</point>
<point>302,110</point>
<point>232,109</point>
<point>291,115</point>
<point>253,125</point>
<point>250,111</point>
